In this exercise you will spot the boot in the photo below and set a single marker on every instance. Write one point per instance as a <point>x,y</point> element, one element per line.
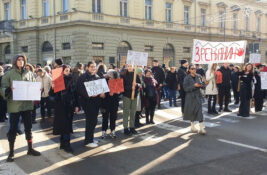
<point>32,151</point>
<point>147,119</point>
<point>226,109</point>
<point>202,131</point>
<point>67,147</point>
<point>61,143</point>
<point>209,107</point>
<point>152,118</point>
<point>127,132</point>
<point>193,128</point>
<point>133,131</point>
<point>10,157</point>
<point>214,110</point>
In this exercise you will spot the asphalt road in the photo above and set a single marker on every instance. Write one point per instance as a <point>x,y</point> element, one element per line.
<point>233,145</point>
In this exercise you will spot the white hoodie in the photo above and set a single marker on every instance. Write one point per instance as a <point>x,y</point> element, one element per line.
<point>211,88</point>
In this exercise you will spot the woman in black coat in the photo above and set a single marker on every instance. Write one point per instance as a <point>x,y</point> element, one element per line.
<point>65,106</point>
<point>246,80</point>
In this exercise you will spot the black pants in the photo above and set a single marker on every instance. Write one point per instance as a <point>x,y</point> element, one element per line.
<point>2,109</point>
<point>111,116</point>
<point>236,96</point>
<point>14,119</point>
<point>224,93</point>
<point>212,108</point>
<point>45,105</point>
<point>258,97</point>
<point>91,112</point>
<point>150,112</point>
<point>182,95</point>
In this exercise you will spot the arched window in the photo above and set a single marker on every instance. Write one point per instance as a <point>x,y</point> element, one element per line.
<point>7,50</point>
<point>47,47</point>
<point>168,55</point>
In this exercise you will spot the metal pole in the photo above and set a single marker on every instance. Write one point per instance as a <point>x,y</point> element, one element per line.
<point>224,24</point>
<point>195,17</point>
<point>55,40</point>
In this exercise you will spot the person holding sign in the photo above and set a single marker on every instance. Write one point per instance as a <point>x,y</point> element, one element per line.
<point>259,93</point>
<point>129,105</point>
<point>90,104</point>
<point>66,103</point>
<point>246,80</point>
<point>18,108</point>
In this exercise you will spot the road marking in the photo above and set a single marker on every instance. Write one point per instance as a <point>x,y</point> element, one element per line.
<point>243,145</point>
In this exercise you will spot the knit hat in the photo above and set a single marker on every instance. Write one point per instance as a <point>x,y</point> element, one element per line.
<point>183,62</point>
<point>59,61</point>
<point>139,70</point>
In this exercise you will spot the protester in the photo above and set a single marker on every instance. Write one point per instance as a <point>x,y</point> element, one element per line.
<point>224,88</point>
<point>2,101</point>
<point>140,100</point>
<point>193,102</point>
<point>246,80</point>
<point>159,76</point>
<point>48,71</point>
<point>234,81</point>
<point>172,85</point>
<point>46,82</point>
<point>109,108</point>
<point>150,91</point>
<point>259,93</point>
<point>211,88</point>
<point>181,75</point>
<point>57,63</point>
<point>90,105</point>
<point>18,108</point>
<point>129,105</point>
<point>101,70</point>
<point>66,104</point>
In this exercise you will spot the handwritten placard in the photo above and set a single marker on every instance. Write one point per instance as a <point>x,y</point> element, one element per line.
<point>26,91</point>
<point>137,58</point>
<point>96,87</point>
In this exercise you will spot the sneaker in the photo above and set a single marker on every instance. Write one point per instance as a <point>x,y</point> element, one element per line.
<point>152,122</point>
<point>33,152</point>
<point>96,141</point>
<point>104,135</point>
<point>127,132</point>
<point>133,131</point>
<point>113,134</point>
<point>92,145</point>
<point>10,158</point>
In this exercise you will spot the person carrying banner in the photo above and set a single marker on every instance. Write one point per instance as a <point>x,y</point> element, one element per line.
<point>90,105</point>
<point>211,88</point>
<point>66,103</point>
<point>259,93</point>
<point>246,80</point>
<point>129,105</point>
<point>181,75</point>
<point>193,99</point>
<point>18,108</point>
<point>225,87</point>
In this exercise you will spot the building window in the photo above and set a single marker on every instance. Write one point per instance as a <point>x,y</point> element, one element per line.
<point>23,9</point>
<point>45,7</point>
<point>24,49</point>
<point>186,15</point>
<point>47,47</point>
<point>111,60</point>
<point>203,17</point>
<point>7,11</point>
<point>186,49</point>
<point>66,46</point>
<point>124,8</point>
<point>247,23</point>
<point>258,24</point>
<point>65,5</point>
<point>96,6</point>
<point>168,12</point>
<point>221,18</point>
<point>149,48</point>
<point>7,50</point>
<point>235,21</point>
<point>98,46</point>
<point>148,10</point>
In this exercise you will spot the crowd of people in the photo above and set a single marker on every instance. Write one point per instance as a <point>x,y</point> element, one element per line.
<point>191,83</point>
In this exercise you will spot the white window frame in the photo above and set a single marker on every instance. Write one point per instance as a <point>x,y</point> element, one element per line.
<point>65,6</point>
<point>168,12</point>
<point>23,9</point>
<point>123,9</point>
<point>95,9</point>
<point>46,8</point>
<point>187,15</point>
<point>203,12</point>
<point>148,10</point>
<point>7,10</point>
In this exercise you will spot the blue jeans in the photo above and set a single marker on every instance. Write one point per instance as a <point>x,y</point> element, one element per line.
<point>172,97</point>
<point>166,92</point>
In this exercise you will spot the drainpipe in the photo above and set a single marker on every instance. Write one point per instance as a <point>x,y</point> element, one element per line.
<point>55,36</point>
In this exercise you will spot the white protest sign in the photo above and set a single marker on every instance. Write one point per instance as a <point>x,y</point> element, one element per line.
<point>254,58</point>
<point>96,87</point>
<point>206,52</point>
<point>26,91</point>
<point>137,58</point>
<point>263,80</point>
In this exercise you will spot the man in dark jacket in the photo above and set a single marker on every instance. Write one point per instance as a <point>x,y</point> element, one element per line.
<point>181,75</point>
<point>159,75</point>
<point>234,79</point>
<point>259,93</point>
<point>225,87</point>
<point>172,85</point>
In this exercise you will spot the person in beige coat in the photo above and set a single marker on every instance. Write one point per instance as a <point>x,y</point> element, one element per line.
<point>46,86</point>
<point>211,88</point>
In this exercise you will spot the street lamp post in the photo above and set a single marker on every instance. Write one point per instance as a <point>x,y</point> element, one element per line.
<point>55,40</point>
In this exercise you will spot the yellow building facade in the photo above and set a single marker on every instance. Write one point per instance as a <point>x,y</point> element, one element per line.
<point>82,30</point>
